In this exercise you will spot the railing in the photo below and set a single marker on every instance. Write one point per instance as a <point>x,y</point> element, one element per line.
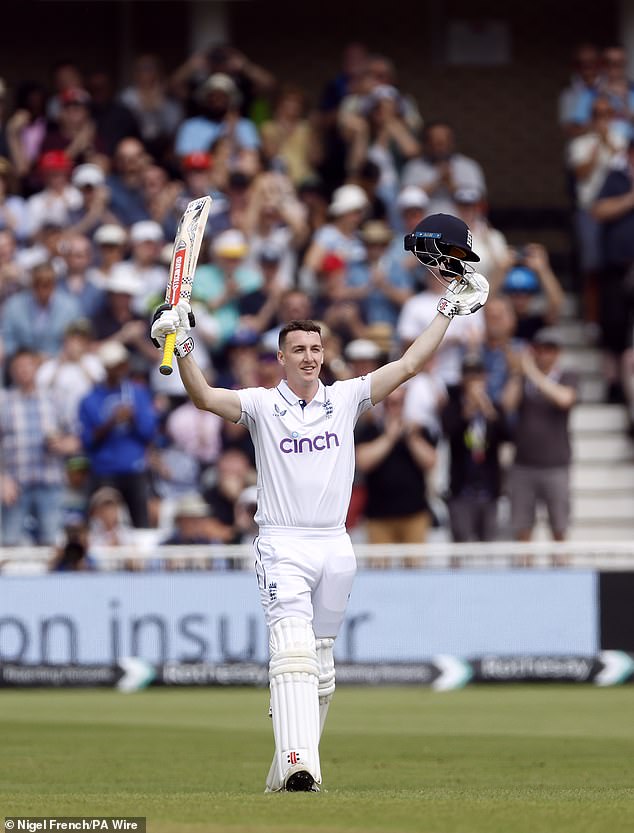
<point>579,555</point>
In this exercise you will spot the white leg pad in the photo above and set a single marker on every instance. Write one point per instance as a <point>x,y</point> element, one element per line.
<point>326,688</point>
<point>294,679</point>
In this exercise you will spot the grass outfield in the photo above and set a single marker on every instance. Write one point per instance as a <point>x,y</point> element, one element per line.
<point>507,759</point>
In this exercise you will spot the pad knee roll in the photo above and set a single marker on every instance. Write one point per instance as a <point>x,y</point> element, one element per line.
<point>326,662</point>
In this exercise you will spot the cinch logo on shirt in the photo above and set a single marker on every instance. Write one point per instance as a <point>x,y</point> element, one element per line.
<point>295,445</point>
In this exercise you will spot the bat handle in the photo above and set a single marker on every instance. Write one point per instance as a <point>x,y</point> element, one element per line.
<point>168,354</point>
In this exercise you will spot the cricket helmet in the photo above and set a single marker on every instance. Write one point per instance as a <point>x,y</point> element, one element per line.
<point>444,242</point>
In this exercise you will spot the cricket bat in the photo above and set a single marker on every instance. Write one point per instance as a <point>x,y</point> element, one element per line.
<point>189,236</point>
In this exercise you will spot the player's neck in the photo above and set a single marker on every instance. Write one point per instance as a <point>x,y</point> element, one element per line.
<point>307,391</point>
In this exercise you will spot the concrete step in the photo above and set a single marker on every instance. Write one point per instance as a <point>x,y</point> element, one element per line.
<point>594,477</point>
<point>599,418</point>
<point>615,506</point>
<point>608,448</point>
<point>592,388</point>
<point>586,361</point>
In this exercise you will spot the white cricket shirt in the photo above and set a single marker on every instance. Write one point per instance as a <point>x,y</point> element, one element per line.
<point>304,455</point>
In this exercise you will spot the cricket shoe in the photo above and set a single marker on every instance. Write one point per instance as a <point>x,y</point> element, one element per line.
<point>299,780</point>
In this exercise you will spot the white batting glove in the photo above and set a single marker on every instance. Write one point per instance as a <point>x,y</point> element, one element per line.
<point>178,319</point>
<point>465,296</point>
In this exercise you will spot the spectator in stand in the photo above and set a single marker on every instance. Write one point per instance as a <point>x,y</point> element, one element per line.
<point>475,428</point>
<point>113,120</point>
<point>73,554</point>
<point>368,177</point>
<point>219,115</point>
<point>36,318</point>
<point>500,348</point>
<point>110,242</point>
<point>390,142</point>
<point>12,274</point>
<point>25,133</point>
<point>58,200</point>
<point>230,477</point>
<point>118,321</point>
<point>613,84</point>
<point>33,444</point>
<point>258,309</point>
<point>290,141</point>
<point>240,361</point>
<point>441,170</point>
<point>534,291</point>
<point>275,218</point>
<point>196,169</point>
<point>4,147</point>
<point>109,522</point>
<point>158,116</point>
<point>387,290</point>
<point>66,75</point>
<point>496,256</point>
<point>614,209</point>
<point>590,158</point>
<point>294,305</point>
<point>193,523</point>
<point>75,131</point>
<point>146,242</point>
<point>13,214</point>
<point>77,280</point>
<point>127,202</point>
<point>46,245</point>
<point>465,335</point>
<point>340,236</point>
<point>395,456</point>
<point>90,181</point>
<point>336,303</point>
<point>312,195</point>
<point>540,398</point>
<point>219,287</point>
<point>160,194</point>
<point>584,80</point>
<point>68,376</point>
<point>407,271</point>
<point>118,421</point>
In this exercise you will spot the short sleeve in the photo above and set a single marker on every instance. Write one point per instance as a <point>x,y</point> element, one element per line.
<point>356,393</point>
<point>250,405</point>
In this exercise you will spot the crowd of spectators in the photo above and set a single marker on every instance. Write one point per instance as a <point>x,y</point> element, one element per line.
<point>310,203</point>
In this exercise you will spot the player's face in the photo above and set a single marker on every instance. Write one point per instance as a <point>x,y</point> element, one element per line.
<point>302,357</point>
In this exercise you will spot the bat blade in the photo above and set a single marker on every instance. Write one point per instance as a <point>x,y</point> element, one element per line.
<point>187,243</point>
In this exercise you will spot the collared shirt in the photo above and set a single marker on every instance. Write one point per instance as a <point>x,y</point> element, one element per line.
<point>304,453</point>
<point>26,423</point>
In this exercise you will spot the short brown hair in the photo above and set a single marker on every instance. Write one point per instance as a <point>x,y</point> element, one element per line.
<point>305,326</point>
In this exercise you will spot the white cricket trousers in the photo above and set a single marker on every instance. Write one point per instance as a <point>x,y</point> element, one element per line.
<point>305,574</point>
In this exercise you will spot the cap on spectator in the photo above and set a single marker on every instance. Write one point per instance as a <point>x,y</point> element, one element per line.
<point>222,82</point>
<point>412,197</point>
<point>521,279</point>
<point>79,327</point>
<point>549,337</point>
<point>55,160</point>
<point>75,95</point>
<point>191,506</point>
<point>362,349</point>
<point>146,231</point>
<point>472,363</point>
<point>382,334</point>
<point>332,262</point>
<point>348,198</point>
<point>376,232</point>
<point>124,279</point>
<point>110,235</point>
<point>88,174</point>
<point>231,243</point>
<point>112,353</point>
<point>106,494</point>
<point>467,196</point>
<point>198,161</point>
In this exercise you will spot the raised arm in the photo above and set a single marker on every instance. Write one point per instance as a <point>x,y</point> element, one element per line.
<point>225,403</point>
<point>461,298</point>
